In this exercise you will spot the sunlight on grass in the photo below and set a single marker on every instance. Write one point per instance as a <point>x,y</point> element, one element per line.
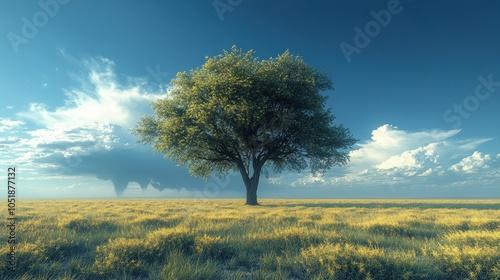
<point>282,239</point>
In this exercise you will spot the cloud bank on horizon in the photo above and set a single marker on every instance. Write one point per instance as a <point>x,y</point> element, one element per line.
<point>87,142</point>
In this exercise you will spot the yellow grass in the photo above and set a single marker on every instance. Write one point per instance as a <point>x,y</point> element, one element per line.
<point>282,239</point>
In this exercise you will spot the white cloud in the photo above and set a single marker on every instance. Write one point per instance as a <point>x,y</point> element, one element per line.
<point>95,118</point>
<point>388,141</point>
<point>327,181</point>
<point>101,100</point>
<point>397,158</point>
<point>7,125</point>
<point>474,163</point>
<point>309,180</point>
<point>9,140</point>
<point>427,172</point>
<point>414,159</point>
<point>94,136</point>
<point>88,138</point>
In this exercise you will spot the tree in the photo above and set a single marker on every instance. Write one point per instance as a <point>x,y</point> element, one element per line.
<point>238,113</point>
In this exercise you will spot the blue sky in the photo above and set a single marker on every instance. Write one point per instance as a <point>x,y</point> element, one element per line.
<point>417,82</point>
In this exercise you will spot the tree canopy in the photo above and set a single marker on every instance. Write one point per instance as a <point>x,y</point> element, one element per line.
<point>239,113</point>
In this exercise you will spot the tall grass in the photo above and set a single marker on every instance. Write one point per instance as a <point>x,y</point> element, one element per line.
<point>282,239</point>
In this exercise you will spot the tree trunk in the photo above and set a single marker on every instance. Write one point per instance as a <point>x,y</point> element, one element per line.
<point>251,183</point>
<point>252,193</point>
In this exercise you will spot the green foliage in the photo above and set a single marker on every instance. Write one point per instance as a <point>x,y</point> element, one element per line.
<point>236,112</point>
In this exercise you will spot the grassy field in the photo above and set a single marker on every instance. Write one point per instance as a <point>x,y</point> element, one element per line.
<point>282,239</point>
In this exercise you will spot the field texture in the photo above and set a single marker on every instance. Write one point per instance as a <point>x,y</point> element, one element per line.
<point>282,239</point>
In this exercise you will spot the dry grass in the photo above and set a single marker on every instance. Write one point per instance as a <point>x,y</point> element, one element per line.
<point>282,239</point>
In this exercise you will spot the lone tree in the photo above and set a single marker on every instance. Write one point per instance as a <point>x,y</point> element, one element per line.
<point>239,113</point>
